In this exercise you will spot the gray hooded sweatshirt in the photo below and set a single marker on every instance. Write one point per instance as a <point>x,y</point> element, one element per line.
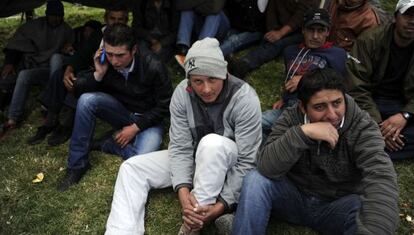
<point>236,114</point>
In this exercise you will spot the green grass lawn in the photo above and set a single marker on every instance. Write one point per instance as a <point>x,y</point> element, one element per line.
<point>28,208</point>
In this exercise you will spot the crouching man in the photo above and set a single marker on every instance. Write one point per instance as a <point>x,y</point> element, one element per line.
<point>130,92</point>
<point>214,137</point>
<point>323,166</point>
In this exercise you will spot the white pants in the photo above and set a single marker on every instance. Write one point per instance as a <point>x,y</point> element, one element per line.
<point>214,157</point>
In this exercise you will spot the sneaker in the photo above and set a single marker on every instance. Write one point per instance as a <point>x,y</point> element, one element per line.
<point>59,136</point>
<point>224,224</point>
<point>73,176</point>
<point>185,231</point>
<point>40,135</point>
<point>180,60</point>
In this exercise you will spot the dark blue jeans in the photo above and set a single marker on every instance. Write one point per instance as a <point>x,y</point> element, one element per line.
<point>212,26</point>
<point>101,105</point>
<point>268,51</point>
<point>238,40</point>
<point>29,77</point>
<point>261,198</point>
<point>269,117</point>
<point>54,95</point>
<point>388,107</point>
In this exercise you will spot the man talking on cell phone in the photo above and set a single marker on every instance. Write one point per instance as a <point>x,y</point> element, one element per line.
<point>130,92</point>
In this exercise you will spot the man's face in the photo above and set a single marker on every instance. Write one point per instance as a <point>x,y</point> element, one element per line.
<point>87,32</point>
<point>114,17</point>
<point>315,35</point>
<point>207,88</point>
<point>404,24</point>
<point>119,56</point>
<point>326,106</point>
<point>54,21</point>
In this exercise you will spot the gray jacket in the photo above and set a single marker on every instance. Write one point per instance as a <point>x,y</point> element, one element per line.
<point>239,119</point>
<point>357,165</point>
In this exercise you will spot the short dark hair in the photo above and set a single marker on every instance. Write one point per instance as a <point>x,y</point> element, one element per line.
<point>317,80</point>
<point>116,7</point>
<point>119,35</point>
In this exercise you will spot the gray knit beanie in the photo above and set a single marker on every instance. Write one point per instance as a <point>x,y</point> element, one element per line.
<point>205,58</point>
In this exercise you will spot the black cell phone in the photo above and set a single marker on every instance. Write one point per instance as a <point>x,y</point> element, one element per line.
<point>103,56</point>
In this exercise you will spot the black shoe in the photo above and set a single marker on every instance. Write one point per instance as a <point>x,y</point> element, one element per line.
<point>96,145</point>
<point>238,68</point>
<point>40,135</point>
<point>181,49</point>
<point>73,176</point>
<point>59,136</point>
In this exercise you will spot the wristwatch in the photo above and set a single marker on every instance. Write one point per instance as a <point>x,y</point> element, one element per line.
<point>406,115</point>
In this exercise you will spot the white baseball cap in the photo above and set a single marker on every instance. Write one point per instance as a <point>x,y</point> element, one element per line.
<point>404,5</point>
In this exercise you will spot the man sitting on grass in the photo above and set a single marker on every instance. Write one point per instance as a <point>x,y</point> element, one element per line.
<point>214,136</point>
<point>323,166</point>
<point>32,55</point>
<point>382,79</point>
<point>58,95</point>
<point>130,92</point>
<point>314,52</point>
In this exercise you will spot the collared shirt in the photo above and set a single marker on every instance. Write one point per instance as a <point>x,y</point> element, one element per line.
<point>127,70</point>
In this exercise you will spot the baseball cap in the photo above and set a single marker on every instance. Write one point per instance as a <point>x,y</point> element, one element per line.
<point>404,5</point>
<point>316,16</point>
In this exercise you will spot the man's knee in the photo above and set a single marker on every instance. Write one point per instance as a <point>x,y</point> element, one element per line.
<point>23,77</point>
<point>88,100</point>
<point>212,144</point>
<point>254,180</point>
<point>56,60</point>
<point>130,165</point>
<point>212,141</point>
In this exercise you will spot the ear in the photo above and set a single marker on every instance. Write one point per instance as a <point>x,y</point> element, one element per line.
<point>301,107</point>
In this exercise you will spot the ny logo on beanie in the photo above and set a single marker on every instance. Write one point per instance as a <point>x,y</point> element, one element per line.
<point>191,64</point>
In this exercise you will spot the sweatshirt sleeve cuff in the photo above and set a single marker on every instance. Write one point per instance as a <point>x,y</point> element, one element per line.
<point>227,208</point>
<point>189,186</point>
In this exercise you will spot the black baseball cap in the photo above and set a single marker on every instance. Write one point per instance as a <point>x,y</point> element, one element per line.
<point>317,16</point>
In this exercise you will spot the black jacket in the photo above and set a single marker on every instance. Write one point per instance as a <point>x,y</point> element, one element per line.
<point>162,25</point>
<point>147,91</point>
